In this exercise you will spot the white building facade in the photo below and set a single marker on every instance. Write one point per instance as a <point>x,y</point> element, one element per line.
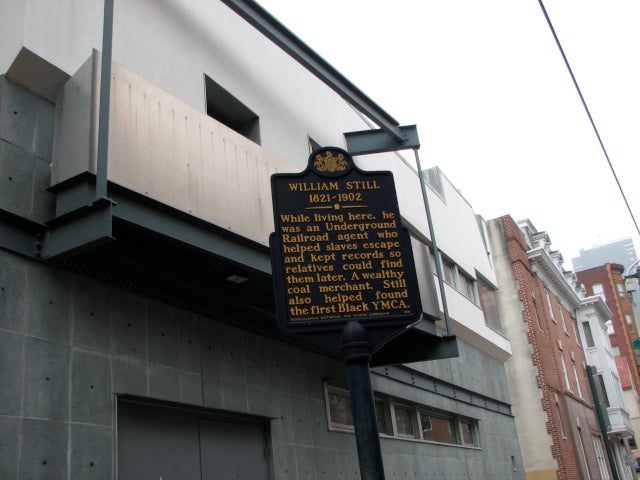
<point>592,316</point>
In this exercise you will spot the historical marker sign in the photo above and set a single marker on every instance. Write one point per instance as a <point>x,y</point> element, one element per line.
<point>339,252</point>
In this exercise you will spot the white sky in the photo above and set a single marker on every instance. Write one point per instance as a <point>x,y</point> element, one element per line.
<point>495,106</point>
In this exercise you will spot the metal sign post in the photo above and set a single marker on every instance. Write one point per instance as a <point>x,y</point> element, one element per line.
<point>355,346</point>
<point>343,270</point>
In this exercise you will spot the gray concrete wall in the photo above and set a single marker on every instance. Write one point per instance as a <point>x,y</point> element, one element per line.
<point>69,344</point>
<point>26,139</point>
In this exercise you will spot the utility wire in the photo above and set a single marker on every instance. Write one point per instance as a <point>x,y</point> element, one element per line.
<point>586,108</point>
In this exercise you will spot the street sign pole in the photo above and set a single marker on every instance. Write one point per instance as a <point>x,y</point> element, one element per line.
<point>357,352</point>
<point>344,275</point>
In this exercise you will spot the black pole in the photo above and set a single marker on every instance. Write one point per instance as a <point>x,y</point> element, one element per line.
<point>357,352</point>
<point>603,420</point>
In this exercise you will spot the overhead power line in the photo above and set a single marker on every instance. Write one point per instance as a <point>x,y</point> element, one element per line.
<point>586,108</point>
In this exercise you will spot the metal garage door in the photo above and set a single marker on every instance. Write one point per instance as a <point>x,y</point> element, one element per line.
<point>163,444</point>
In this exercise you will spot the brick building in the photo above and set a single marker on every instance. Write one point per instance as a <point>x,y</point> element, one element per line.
<point>559,433</point>
<point>607,282</point>
<point>618,251</point>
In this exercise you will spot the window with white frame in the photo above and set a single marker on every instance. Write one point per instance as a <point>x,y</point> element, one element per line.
<point>449,271</point>
<point>546,292</point>
<point>562,430</point>
<point>564,323</point>
<point>339,406</point>
<point>602,460</point>
<point>621,291</point>
<point>583,455</point>
<point>403,419</point>
<point>564,371</point>
<point>575,373</point>
<point>609,326</point>
<point>468,432</point>
<point>598,290</point>
<point>437,428</point>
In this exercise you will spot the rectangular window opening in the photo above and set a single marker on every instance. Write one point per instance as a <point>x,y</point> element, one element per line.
<point>230,111</point>
<point>489,305</point>
<point>598,290</point>
<point>588,335</point>
<point>433,179</point>
<point>436,428</point>
<point>402,420</point>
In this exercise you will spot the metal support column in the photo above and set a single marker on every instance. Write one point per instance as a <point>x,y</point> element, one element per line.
<point>105,98</point>
<point>434,244</point>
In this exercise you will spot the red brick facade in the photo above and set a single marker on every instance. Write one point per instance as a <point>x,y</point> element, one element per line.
<point>610,276</point>
<point>559,360</point>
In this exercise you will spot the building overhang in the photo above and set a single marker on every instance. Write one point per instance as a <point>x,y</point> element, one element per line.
<point>149,248</point>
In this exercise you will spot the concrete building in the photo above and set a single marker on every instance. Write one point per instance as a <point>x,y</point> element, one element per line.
<point>612,406</point>
<point>560,436</point>
<point>138,336</point>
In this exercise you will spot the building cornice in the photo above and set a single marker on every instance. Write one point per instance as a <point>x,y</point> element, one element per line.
<point>540,257</point>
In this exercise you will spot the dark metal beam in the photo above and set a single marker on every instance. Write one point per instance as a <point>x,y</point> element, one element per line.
<point>377,141</point>
<point>155,217</point>
<point>19,234</point>
<point>78,230</point>
<point>303,54</point>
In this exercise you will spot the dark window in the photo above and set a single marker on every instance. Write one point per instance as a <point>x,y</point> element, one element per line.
<point>588,335</point>
<point>449,272</point>
<point>404,420</point>
<point>228,110</point>
<point>381,417</point>
<point>601,391</point>
<point>489,305</point>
